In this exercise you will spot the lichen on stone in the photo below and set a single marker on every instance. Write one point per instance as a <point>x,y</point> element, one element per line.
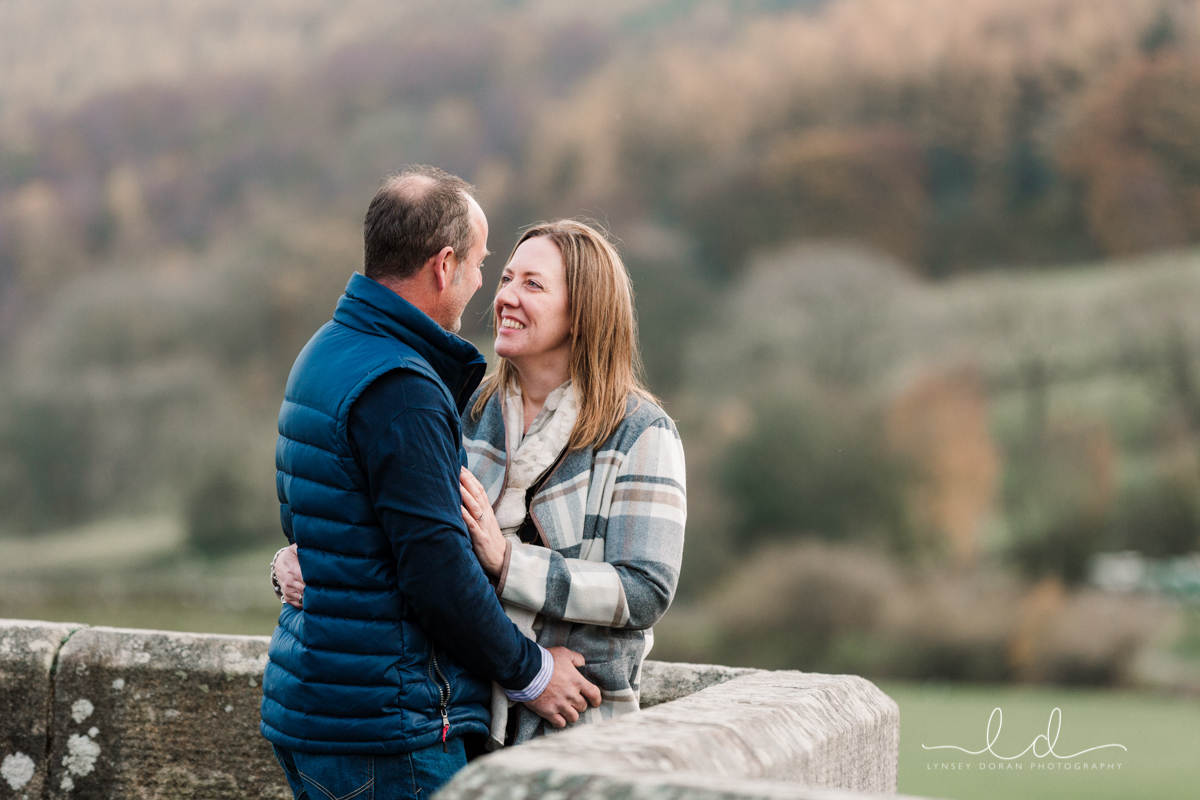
<point>81,710</point>
<point>17,769</point>
<point>81,755</point>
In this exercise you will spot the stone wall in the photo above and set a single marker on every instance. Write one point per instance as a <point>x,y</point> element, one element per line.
<point>111,713</point>
<point>781,729</point>
<point>28,651</point>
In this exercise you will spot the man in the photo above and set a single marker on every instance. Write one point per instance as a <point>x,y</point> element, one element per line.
<point>373,683</point>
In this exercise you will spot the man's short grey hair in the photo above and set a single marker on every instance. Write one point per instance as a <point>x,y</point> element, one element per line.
<point>413,216</point>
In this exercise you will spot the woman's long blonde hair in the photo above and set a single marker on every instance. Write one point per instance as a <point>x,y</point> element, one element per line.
<point>606,363</point>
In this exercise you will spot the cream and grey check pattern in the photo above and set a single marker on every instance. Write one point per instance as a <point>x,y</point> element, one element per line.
<point>612,521</point>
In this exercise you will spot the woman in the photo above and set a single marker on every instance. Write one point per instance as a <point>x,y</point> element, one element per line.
<point>574,495</point>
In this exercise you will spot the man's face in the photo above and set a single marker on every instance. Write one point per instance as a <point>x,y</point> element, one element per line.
<point>468,276</point>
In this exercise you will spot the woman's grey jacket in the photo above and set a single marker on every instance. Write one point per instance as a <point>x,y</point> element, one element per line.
<point>611,523</point>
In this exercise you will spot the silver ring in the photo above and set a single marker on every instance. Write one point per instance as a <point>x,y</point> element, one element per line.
<point>480,517</point>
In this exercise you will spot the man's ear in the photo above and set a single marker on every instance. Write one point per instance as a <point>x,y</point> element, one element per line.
<point>443,263</point>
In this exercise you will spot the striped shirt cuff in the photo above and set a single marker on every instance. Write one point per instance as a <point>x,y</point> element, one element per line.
<point>540,682</point>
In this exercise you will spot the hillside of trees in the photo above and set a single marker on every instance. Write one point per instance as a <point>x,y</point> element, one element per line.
<point>209,219</point>
<point>863,233</point>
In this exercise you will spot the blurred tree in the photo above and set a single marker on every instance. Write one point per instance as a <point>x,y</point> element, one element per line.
<point>941,424</point>
<point>672,301</point>
<point>1159,34</point>
<point>1159,518</point>
<point>224,514</point>
<point>866,185</point>
<point>44,442</point>
<point>1064,549</point>
<point>1134,146</point>
<point>1060,487</point>
<point>803,470</point>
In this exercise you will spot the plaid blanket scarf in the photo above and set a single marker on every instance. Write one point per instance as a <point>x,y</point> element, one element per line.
<point>611,521</point>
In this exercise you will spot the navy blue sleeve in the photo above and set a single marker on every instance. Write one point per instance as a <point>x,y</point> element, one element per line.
<point>403,437</point>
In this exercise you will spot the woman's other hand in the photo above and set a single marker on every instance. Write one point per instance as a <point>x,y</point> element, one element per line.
<point>287,572</point>
<point>486,539</point>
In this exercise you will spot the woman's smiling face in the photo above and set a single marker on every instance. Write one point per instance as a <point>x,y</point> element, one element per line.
<point>534,321</point>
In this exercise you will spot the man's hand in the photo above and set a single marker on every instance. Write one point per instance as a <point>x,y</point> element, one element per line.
<point>291,581</point>
<point>568,693</point>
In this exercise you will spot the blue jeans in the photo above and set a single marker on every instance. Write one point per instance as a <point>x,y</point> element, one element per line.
<point>404,776</point>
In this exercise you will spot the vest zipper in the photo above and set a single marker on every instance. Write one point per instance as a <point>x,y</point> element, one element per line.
<point>443,695</point>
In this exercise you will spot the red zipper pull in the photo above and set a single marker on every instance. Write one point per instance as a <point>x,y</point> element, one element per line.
<point>445,730</point>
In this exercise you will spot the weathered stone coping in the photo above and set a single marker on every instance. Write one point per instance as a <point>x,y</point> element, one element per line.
<point>115,713</point>
<point>601,783</point>
<point>133,714</point>
<point>27,655</point>
<point>831,731</point>
<point>664,681</point>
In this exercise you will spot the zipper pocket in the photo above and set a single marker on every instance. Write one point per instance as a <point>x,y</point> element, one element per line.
<point>443,694</point>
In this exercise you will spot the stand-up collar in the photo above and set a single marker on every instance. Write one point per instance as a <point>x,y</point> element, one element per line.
<point>371,307</point>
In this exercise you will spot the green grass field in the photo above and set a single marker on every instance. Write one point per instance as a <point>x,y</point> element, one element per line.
<point>1161,734</point>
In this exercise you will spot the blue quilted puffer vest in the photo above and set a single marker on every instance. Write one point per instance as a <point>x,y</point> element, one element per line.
<point>353,672</point>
